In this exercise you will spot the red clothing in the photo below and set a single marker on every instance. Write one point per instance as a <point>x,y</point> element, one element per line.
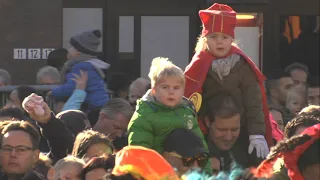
<point>197,71</point>
<point>277,134</point>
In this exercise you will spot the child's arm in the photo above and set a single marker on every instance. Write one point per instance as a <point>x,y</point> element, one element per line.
<point>67,89</point>
<point>75,100</point>
<point>253,111</point>
<point>252,101</point>
<point>79,94</point>
<point>140,131</point>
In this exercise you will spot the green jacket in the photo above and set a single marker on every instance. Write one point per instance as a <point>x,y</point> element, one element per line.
<point>152,122</point>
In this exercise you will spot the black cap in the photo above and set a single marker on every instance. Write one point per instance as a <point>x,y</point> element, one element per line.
<point>184,142</point>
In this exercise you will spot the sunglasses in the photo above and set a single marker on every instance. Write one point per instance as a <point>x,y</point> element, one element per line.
<point>201,159</point>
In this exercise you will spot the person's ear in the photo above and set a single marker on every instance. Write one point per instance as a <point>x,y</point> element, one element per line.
<point>36,155</point>
<point>153,91</point>
<point>50,174</point>
<point>273,92</point>
<point>207,121</point>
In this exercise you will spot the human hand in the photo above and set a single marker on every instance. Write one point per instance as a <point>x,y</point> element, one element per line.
<point>81,81</point>
<point>259,143</point>
<point>37,108</point>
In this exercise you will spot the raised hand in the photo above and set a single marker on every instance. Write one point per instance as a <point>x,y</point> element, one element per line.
<point>37,108</point>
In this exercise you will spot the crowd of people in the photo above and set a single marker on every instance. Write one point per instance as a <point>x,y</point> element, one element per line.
<point>218,119</point>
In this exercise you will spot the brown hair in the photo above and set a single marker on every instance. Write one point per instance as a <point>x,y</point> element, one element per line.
<point>87,138</point>
<point>25,127</point>
<point>222,105</point>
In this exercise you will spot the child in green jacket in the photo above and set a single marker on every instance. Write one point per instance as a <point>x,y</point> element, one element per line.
<point>163,108</point>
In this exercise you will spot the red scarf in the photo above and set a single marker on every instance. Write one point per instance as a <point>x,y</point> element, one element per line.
<point>196,73</point>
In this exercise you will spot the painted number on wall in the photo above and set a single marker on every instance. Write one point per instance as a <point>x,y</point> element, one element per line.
<point>34,53</point>
<point>19,53</point>
<point>46,52</point>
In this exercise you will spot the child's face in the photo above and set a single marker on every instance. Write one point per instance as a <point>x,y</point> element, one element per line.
<point>169,91</point>
<point>219,44</point>
<point>295,104</point>
<point>72,52</point>
<point>135,94</point>
<point>69,172</point>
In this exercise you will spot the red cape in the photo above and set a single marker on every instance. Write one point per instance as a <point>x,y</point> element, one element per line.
<point>196,72</point>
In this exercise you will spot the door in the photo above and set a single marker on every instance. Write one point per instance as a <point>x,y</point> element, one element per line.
<point>138,31</point>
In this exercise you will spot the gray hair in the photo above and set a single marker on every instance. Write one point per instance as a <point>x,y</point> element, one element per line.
<point>49,71</point>
<point>5,77</point>
<point>115,106</point>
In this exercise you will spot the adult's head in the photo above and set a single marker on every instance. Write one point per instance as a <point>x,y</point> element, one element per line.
<point>184,150</point>
<point>90,144</point>
<point>114,118</point>
<point>75,120</point>
<point>57,58</point>
<point>298,73</point>
<point>119,83</point>
<point>17,96</point>
<point>314,90</point>
<point>222,118</point>
<point>142,163</point>
<point>19,148</point>
<point>48,75</point>
<point>5,78</point>
<point>97,167</point>
<point>278,84</point>
<point>308,117</point>
<point>12,112</point>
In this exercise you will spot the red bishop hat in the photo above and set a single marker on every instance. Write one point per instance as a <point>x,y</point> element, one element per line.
<point>218,18</point>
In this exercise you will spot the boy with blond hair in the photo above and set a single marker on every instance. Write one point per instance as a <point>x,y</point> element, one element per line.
<point>163,108</point>
<point>69,167</point>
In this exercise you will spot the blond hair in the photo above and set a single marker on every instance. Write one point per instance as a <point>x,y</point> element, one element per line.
<point>62,163</point>
<point>202,44</point>
<point>162,67</point>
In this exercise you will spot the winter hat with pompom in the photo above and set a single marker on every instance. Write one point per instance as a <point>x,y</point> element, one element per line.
<point>87,42</point>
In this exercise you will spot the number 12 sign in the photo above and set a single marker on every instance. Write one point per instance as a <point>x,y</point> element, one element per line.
<point>34,53</point>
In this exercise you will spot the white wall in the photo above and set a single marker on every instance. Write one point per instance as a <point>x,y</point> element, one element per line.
<point>247,39</point>
<point>77,20</point>
<point>166,36</point>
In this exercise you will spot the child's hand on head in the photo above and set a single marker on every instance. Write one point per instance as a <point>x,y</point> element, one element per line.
<point>81,81</point>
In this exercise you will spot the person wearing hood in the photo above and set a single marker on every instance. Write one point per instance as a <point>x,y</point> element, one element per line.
<point>163,109</point>
<point>82,56</point>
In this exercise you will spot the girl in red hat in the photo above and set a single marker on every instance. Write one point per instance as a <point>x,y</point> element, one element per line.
<point>220,66</point>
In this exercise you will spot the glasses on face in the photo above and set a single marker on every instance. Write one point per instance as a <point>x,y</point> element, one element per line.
<point>19,149</point>
<point>201,159</point>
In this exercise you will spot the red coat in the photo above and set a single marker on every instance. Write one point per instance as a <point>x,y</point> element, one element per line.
<point>196,73</point>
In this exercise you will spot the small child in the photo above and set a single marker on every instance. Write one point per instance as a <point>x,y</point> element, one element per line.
<point>83,56</point>
<point>295,100</point>
<point>67,168</point>
<point>136,90</point>
<point>220,66</point>
<point>163,108</point>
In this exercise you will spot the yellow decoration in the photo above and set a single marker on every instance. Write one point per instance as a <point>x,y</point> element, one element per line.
<point>196,99</point>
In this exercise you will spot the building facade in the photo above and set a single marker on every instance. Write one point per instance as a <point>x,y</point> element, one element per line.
<point>134,32</point>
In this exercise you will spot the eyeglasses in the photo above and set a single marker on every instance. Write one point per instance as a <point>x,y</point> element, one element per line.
<point>19,149</point>
<point>201,159</point>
